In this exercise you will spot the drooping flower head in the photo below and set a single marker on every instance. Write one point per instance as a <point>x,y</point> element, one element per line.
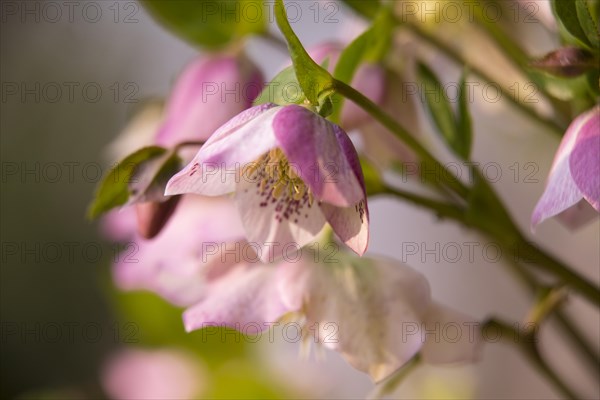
<point>376,312</point>
<point>210,91</point>
<point>291,171</point>
<point>573,188</point>
<point>176,262</point>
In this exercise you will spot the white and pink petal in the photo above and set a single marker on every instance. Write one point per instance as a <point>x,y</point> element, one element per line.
<point>245,298</point>
<point>218,165</point>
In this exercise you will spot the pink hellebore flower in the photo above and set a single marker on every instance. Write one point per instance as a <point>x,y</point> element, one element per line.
<point>291,170</point>
<point>210,91</point>
<point>175,263</point>
<point>377,313</point>
<point>573,188</point>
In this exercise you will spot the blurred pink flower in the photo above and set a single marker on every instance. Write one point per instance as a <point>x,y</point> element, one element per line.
<point>386,89</point>
<point>377,313</point>
<point>210,91</point>
<point>291,170</point>
<point>152,374</point>
<point>175,264</point>
<point>369,79</point>
<point>573,188</point>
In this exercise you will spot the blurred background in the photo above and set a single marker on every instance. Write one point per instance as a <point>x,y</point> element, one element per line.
<point>70,79</point>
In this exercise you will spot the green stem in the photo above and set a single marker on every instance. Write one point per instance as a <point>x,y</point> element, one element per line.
<point>188,144</point>
<point>424,155</point>
<point>549,263</point>
<point>527,344</point>
<point>441,209</point>
<point>449,52</point>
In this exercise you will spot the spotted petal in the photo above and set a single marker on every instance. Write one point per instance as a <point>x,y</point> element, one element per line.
<point>351,224</point>
<point>279,226</point>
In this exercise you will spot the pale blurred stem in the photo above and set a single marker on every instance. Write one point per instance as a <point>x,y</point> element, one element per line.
<point>565,323</point>
<point>449,52</point>
<point>390,384</point>
<point>406,137</point>
<point>526,343</point>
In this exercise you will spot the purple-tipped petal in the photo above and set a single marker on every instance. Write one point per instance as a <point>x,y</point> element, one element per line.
<point>209,92</point>
<point>216,169</point>
<point>245,298</point>
<point>584,160</point>
<point>578,215</point>
<point>572,159</point>
<point>278,226</point>
<point>369,310</point>
<point>314,148</point>
<point>350,224</point>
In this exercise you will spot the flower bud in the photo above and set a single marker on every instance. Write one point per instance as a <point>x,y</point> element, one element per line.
<point>573,189</point>
<point>152,216</point>
<point>210,91</point>
<point>566,62</point>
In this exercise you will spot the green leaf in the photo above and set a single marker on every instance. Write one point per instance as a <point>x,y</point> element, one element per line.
<point>566,12</point>
<point>439,107</point>
<point>315,81</point>
<point>113,191</point>
<point>587,22</point>
<point>464,123</point>
<point>366,8</point>
<point>150,178</point>
<point>210,23</point>
<point>284,89</point>
<point>373,180</point>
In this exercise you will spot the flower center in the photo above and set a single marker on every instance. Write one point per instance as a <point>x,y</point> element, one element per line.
<point>273,171</point>
<point>279,187</point>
